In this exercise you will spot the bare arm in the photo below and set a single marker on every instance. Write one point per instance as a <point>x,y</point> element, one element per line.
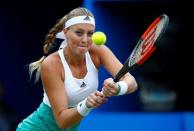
<point>52,75</point>
<point>113,65</point>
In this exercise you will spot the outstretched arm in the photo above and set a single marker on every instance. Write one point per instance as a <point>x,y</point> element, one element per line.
<point>113,65</point>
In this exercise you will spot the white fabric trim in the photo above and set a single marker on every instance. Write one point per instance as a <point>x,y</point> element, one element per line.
<point>79,20</point>
<point>63,44</point>
<point>61,35</point>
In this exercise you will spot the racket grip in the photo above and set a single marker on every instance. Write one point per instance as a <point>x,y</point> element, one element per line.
<point>122,72</point>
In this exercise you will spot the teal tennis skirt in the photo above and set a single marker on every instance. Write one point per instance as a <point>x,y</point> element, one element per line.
<point>42,120</point>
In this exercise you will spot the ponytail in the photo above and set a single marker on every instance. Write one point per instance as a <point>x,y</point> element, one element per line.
<point>51,45</point>
<point>35,66</point>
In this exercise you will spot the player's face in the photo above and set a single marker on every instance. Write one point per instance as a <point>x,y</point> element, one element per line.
<point>79,37</point>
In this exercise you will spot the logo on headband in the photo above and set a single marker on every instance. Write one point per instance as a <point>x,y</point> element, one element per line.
<point>87,18</point>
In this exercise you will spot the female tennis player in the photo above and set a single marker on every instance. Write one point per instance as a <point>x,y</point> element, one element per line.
<point>69,75</point>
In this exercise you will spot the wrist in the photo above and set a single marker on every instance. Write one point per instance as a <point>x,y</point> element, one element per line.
<point>82,108</point>
<point>122,88</point>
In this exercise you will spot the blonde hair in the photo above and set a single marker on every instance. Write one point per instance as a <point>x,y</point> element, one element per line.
<point>50,37</point>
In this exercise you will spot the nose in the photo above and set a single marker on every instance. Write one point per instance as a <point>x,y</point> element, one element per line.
<point>85,38</point>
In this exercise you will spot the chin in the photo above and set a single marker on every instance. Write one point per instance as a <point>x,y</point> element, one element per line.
<point>83,50</point>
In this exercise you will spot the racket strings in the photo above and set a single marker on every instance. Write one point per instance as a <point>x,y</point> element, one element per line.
<point>149,41</point>
<point>143,46</point>
<point>143,49</point>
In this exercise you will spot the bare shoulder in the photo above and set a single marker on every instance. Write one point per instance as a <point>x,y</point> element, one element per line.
<point>51,60</point>
<point>99,49</point>
<point>96,52</point>
<point>51,64</point>
<point>102,52</point>
<point>107,59</point>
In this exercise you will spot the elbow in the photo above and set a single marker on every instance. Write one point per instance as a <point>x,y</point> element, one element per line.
<point>62,124</point>
<point>133,86</point>
<point>65,125</point>
<point>66,120</point>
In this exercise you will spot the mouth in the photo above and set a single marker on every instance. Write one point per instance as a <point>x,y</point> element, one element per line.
<point>82,46</point>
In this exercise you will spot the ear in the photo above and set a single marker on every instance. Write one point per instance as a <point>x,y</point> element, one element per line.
<point>65,31</point>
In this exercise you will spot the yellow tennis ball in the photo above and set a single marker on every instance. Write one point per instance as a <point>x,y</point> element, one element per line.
<point>99,38</point>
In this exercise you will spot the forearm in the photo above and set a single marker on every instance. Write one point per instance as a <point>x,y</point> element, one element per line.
<point>68,117</point>
<point>131,82</point>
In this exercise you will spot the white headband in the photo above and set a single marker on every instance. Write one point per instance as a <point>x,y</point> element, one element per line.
<point>79,20</point>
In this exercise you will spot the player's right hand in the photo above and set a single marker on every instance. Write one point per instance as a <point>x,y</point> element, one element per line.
<point>95,100</point>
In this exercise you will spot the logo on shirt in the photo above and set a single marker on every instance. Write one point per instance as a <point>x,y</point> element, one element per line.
<point>83,85</point>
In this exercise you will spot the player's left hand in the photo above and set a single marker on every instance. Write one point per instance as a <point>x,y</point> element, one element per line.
<point>109,89</point>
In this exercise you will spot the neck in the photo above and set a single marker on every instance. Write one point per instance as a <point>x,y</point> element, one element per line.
<point>72,58</point>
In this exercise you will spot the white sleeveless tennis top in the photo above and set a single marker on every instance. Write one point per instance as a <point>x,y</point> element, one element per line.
<point>77,89</point>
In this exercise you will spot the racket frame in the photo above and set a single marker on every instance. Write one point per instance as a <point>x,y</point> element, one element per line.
<point>127,67</point>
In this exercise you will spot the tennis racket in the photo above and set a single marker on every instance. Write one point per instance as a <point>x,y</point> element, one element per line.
<point>145,46</point>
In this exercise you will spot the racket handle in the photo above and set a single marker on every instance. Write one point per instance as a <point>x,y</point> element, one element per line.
<point>121,73</point>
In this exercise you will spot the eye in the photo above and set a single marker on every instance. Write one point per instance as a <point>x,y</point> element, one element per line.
<point>90,34</point>
<point>79,33</point>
